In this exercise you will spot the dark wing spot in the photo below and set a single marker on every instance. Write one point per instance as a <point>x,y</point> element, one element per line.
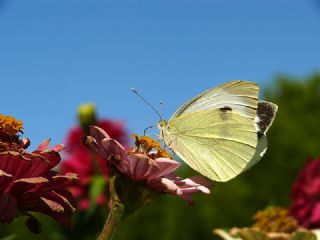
<point>224,113</point>
<point>225,109</point>
<point>266,113</point>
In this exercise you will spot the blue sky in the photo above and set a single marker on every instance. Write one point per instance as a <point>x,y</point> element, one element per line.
<point>57,54</point>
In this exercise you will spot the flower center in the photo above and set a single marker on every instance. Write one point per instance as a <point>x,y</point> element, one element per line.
<point>9,125</point>
<point>151,147</point>
<point>9,128</point>
<point>275,219</point>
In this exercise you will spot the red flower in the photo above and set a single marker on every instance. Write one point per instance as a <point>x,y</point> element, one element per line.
<point>27,181</point>
<point>306,195</point>
<point>86,164</point>
<point>147,163</point>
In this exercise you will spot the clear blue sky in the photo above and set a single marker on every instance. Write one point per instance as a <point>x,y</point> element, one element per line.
<point>57,54</point>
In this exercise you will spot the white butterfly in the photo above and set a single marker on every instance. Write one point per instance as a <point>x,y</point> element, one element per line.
<point>221,132</point>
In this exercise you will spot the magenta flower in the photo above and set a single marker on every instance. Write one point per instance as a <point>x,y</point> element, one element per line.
<point>147,163</point>
<point>306,195</point>
<point>27,181</point>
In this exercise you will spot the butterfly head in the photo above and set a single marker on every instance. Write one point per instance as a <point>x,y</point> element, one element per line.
<point>162,123</point>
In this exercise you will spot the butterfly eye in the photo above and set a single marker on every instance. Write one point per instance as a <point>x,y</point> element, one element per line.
<point>162,123</point>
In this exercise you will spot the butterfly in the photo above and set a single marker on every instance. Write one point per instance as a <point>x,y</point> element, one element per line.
<point>221,132</point>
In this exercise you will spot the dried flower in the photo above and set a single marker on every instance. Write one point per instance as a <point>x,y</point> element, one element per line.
<point>27,181</point>
<point>147,163</point>
<point>305,195</point>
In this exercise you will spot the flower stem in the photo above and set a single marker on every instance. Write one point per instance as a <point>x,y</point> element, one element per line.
<point>115,214</point>
<point>112,223</point>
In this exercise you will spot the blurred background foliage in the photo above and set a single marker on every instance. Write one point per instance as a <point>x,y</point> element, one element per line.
<point>293,138</point>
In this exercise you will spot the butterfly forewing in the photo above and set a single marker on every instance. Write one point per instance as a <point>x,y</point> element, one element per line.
<point>239,96</point>
<point>217,143</point>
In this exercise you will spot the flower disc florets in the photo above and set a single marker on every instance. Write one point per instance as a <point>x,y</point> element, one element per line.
<point>150,147</point>
<point>9,130</point>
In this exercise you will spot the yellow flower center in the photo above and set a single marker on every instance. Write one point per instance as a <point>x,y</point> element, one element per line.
<point>146,144</point>
<point>10,126</point>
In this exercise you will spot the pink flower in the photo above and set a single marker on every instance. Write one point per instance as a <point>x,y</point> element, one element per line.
<point>81,161</point>
<point>306,195</point>
<point>147,163</point>
<point>114,128</point>
<point>27,181</point>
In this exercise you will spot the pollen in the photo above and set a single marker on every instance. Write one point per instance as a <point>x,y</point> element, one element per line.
<point>10,126</point>
<point>151,147</point>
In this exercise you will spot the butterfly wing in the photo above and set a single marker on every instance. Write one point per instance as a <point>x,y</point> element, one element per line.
<point>217,143</point>
<point>240,96</point>
<point>266,113</point>
<point>221,132</point>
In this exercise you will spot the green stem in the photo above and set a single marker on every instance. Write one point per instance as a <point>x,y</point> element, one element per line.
<point>112,223</point>
<point>115,214</point>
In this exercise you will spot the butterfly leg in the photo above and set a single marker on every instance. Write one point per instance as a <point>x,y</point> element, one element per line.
<point>145,130</point>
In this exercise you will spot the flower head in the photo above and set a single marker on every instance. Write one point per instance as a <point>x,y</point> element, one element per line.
<point>9,129</point>
<point>273,223</point>
<point>305,195</point>
<point>27,181</point>
<point>86,164</point>
<point>275,219</point>
<point>146,163</point>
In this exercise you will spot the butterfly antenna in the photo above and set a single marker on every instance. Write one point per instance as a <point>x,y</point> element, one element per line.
<point>161,108</point>
<point>146,102</point>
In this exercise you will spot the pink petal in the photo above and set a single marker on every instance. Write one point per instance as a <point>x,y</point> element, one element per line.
<point>166,166</point>
<point>98,133</point>
<point>113,147</point>
<point>44,145</point>
<point>140,166</point>
<point>202,183</point>
<point>58,147</point>
<point>95,147</point>
<point>165,185</point>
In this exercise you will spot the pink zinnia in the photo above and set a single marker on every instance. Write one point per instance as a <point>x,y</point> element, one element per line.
<point>147,163</point>
<point>27,181</point>
<point>306,195</point>
<point>87,165</point>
